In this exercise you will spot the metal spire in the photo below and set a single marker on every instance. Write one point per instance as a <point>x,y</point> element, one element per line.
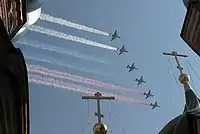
<point>98,96</point>
<point>191,99</point>
<point>183,78</point>
<point>176,55</point>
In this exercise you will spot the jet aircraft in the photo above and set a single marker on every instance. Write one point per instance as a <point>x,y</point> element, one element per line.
<point>140,81</point>
<point>132,67</point>
<point>114,35</point>
<point>148,94</point>
<point>154,105</point>
<point>122,50</point>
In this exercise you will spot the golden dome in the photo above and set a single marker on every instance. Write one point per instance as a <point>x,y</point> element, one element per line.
<point>100,128</point>
<point>183,78</point>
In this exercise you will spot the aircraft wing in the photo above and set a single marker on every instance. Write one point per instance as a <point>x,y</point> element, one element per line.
<point>113,38</point>
<point>141,79</point>
<point>154,106</point>
<point>120,52</point>
<point>138,83</point>
<point>115,32</point>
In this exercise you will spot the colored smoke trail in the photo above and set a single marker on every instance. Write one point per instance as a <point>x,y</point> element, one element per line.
<point>64,75</point>
<point>49,81</point>
<point>62,64</point>
<point>61,35</point>
<point>58,76</point>
<point>117,97</point>
<point>56,84</point>
<point>67,23</point>
<point>60,50</point>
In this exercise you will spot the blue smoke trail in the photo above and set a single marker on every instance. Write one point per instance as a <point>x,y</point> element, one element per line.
<point>60,50</point>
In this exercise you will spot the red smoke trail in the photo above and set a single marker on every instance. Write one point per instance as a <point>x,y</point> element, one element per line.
<point>32,80</point>
<point>64,75</point>
<point>117,97</point>
<point>49,81</point>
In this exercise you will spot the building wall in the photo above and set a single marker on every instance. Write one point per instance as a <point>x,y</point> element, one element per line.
<point>13,14</point>
<point>14,96</point>
<point>186,2</point>
<point>191,27</point>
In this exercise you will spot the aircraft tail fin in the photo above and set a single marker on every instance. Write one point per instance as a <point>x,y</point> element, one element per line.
<point>127,66</point>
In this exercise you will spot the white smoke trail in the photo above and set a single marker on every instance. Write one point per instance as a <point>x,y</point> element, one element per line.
<point>61,35</point>
<point>60,50</point>
<point>63,22</point>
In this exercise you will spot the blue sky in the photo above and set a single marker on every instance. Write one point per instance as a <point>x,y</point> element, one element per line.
<point>147,28</point>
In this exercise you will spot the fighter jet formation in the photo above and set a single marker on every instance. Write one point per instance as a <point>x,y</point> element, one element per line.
<point>132,67</point>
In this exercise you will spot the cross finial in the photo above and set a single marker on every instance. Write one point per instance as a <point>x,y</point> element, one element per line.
<point>183,78</point>
<point>98,96</point>
<point>176,55</point>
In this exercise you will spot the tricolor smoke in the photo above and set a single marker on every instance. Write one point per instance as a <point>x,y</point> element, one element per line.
<point>50,81</point>
<point>68,76</point>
